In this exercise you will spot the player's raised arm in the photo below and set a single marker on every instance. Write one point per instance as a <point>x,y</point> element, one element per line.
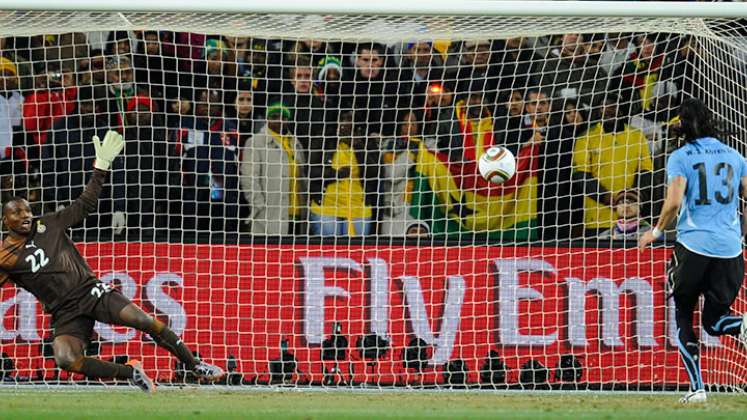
<point>106,151</point>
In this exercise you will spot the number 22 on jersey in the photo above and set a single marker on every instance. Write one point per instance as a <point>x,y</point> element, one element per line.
<point>37,260</point>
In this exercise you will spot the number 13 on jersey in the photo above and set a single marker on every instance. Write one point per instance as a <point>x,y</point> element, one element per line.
<point>723,172</point>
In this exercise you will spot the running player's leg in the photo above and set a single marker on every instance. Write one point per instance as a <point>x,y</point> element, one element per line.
<point>687,341</point>
<point>724,282</point>
<point>686,273</point>
<point>68,354</point>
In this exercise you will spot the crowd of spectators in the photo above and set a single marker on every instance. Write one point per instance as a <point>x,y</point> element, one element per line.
<point>281,137</point>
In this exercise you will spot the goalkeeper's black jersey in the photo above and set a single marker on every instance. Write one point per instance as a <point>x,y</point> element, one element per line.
<point>46,262</point>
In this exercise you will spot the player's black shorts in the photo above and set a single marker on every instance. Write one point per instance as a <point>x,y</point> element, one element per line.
<point>77,316</point>
<point>691,274</point>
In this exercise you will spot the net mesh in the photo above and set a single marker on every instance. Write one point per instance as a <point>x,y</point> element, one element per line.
<point>298,196</point>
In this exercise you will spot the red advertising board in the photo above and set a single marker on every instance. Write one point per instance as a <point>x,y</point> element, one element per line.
<point>605,306</point>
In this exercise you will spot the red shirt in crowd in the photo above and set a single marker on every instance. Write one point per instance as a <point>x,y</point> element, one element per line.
<point>43,108</point>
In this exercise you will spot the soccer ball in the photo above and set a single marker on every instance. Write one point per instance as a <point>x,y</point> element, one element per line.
<point>497,165</point>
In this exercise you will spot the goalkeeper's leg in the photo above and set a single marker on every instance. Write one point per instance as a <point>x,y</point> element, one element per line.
<point>68,354</point>
<point>132,316</point>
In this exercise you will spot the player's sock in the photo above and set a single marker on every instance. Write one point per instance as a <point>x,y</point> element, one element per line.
<point>689,350</point>
<point>95,368</point>
<point>727,324</point>
<point>164,337</point>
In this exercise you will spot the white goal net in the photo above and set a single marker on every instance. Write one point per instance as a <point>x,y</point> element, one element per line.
<point>298,195</point>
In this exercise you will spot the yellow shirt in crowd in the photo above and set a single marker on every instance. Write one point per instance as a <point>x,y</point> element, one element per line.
<point>344,198</point>
<point>613,159</point>
<point>287,143</point>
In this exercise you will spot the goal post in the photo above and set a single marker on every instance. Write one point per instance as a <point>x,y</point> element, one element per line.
<point>445,16</point>
<point>415,8</point>
<point>298,196</point>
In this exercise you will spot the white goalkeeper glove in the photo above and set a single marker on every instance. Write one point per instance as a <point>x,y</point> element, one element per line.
<point>119,222</point>
<point>107,150</point>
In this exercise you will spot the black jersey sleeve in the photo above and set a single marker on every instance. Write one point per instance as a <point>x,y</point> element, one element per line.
<point>83,205</point>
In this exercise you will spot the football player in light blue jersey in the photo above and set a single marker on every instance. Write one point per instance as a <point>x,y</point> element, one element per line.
<point>705,180</point>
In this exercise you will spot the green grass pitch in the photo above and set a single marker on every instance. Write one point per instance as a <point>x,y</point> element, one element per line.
<point>216,404</point>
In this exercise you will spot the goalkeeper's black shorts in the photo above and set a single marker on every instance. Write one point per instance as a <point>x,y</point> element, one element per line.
<point>78,315</point>
<point>690,275</point>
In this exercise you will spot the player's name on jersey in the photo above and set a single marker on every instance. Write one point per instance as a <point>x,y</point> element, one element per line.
<point>707,151</point>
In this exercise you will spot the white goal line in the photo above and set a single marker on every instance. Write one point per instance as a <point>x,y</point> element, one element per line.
<point>277,389</point>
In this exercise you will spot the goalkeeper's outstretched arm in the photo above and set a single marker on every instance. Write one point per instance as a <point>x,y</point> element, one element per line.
<point>106,151</point>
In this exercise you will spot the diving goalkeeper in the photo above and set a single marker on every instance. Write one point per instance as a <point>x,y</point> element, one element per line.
<point>39,256</point>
